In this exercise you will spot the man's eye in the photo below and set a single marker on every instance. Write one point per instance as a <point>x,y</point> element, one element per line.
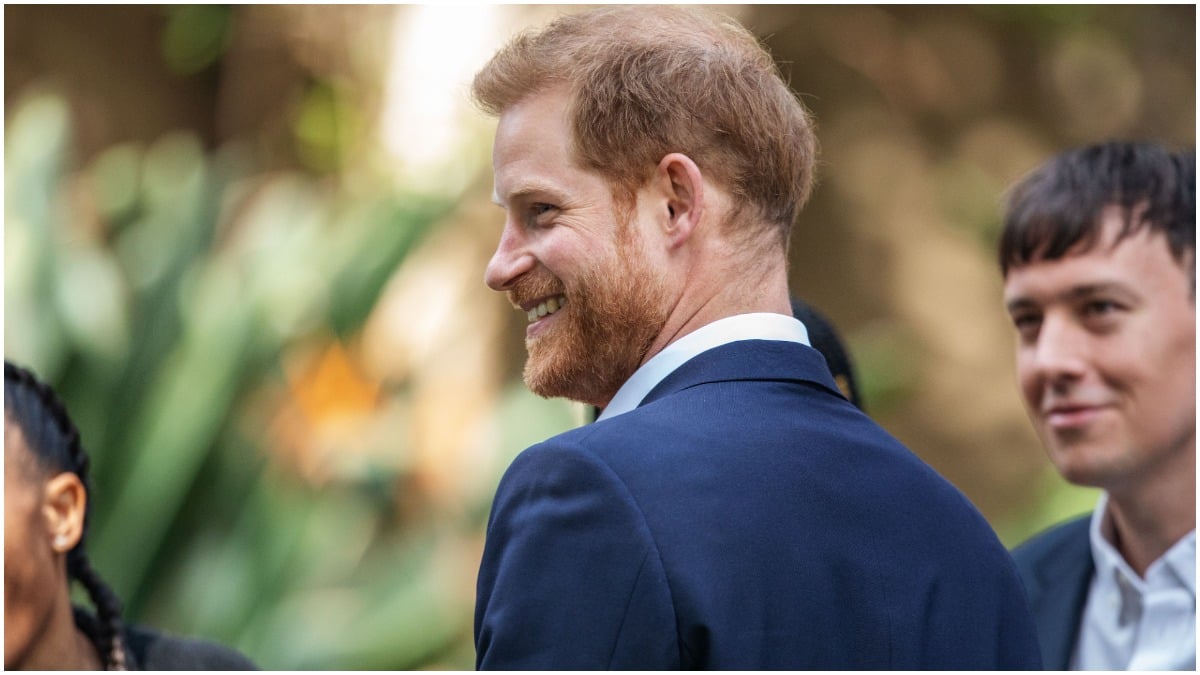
<point>1102,315</point>
<point>1100,307</point>
<point>1027,324</point>
<point>541,214</point>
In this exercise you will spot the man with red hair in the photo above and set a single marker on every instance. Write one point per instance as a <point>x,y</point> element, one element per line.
<point>729,509</point>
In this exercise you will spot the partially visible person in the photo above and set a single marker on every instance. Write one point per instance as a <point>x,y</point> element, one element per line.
<point>46,502</point>
<point>825,339</point>
<point>730,509</point>
<point>1098,254</point>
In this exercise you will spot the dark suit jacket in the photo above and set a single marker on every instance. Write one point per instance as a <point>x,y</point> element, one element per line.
<point>1057,568</point>
<point>745,516</point>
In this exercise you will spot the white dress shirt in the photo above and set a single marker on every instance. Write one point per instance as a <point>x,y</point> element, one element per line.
<point>1131,623</point>
<point>761,326</point>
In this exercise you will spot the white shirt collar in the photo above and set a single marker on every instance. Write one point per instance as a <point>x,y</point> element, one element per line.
<point>1179,561</point>
<point>1135,623</point>
<point>760,326</point>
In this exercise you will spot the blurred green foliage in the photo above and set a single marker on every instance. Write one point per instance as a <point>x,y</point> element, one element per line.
<point>156,329</point>
<point>195,36</point>
<point>164,282</point>
<point>326,123</point>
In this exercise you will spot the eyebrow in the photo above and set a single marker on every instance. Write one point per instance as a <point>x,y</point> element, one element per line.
<point>1073,293</point>
<point>1019,303</point>
<point>530,190</point>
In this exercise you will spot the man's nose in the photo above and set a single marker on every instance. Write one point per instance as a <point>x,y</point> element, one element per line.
<point>1061,350</point>
<point>511,259</point>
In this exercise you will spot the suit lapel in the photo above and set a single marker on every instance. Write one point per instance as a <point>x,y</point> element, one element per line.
<point>1063,580</point>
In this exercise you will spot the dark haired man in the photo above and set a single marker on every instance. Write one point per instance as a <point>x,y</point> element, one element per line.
<point>729,509</point>
<point>1098,255</point>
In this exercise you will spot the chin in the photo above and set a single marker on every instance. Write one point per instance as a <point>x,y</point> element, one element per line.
<point>549,383</point>
<point>563,373</point>
<point>1085,466</point>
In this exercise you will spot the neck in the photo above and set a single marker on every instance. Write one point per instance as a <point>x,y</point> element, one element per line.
<point>62,646</point>
<point>726,283</point>
<point>1150,518</point>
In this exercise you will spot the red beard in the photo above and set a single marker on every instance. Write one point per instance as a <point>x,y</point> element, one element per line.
<point>615,309</point>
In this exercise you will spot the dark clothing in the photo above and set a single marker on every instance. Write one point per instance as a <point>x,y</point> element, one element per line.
<point>824,338</point>
<point>746,516</point>
<point>147,649</point>
<point>1057,568</point>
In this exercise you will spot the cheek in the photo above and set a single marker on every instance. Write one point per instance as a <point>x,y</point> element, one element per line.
<point>19,609</point>
<point>583,273</point>
<point>1181,355</point>
<point>29,578</point>
<point>561,260</point>
<point>1028,381</point>
<point>1158,364</point>
<point>1168,383</point>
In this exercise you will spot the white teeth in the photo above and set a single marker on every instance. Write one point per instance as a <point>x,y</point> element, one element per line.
<point>546,308</point>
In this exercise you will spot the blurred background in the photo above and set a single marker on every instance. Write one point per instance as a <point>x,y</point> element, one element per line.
<point>246,244</point>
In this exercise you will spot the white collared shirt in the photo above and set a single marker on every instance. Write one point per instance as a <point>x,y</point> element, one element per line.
<point>1131,623</point>
<point>760,326</point>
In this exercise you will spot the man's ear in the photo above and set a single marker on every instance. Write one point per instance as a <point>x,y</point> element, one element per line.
<point>682,184</point>
<point>64,506</point>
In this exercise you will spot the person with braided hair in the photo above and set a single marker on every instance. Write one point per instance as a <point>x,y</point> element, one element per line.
<point>46,506</point>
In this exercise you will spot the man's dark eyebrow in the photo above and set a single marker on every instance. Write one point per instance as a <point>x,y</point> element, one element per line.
<point>1074,293</point>
<point>1019,303</point>
<point>1099,288</point>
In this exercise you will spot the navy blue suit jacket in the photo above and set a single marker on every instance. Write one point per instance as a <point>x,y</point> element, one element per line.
<point>1057,569</point>
<point>745,516</point>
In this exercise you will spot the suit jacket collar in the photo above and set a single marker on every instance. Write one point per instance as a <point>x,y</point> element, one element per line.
<point>752,326</point>
<point>1058,590</point>
<point>749,360</point>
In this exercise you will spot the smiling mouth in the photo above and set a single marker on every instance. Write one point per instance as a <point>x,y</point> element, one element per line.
<point>546,308</point>
<point>1072,417</point>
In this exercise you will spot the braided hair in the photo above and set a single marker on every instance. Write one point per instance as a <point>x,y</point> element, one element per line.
<point>55,444</point>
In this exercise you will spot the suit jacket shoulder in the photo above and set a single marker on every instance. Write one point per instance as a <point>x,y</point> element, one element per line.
<point>1056,567</point>
<point>570,577</point>
<point>745,516</point>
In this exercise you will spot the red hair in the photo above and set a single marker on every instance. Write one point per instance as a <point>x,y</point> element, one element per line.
<point>646,81</point>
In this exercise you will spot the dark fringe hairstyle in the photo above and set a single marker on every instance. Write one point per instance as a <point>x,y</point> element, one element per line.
<point>1056,208</point>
